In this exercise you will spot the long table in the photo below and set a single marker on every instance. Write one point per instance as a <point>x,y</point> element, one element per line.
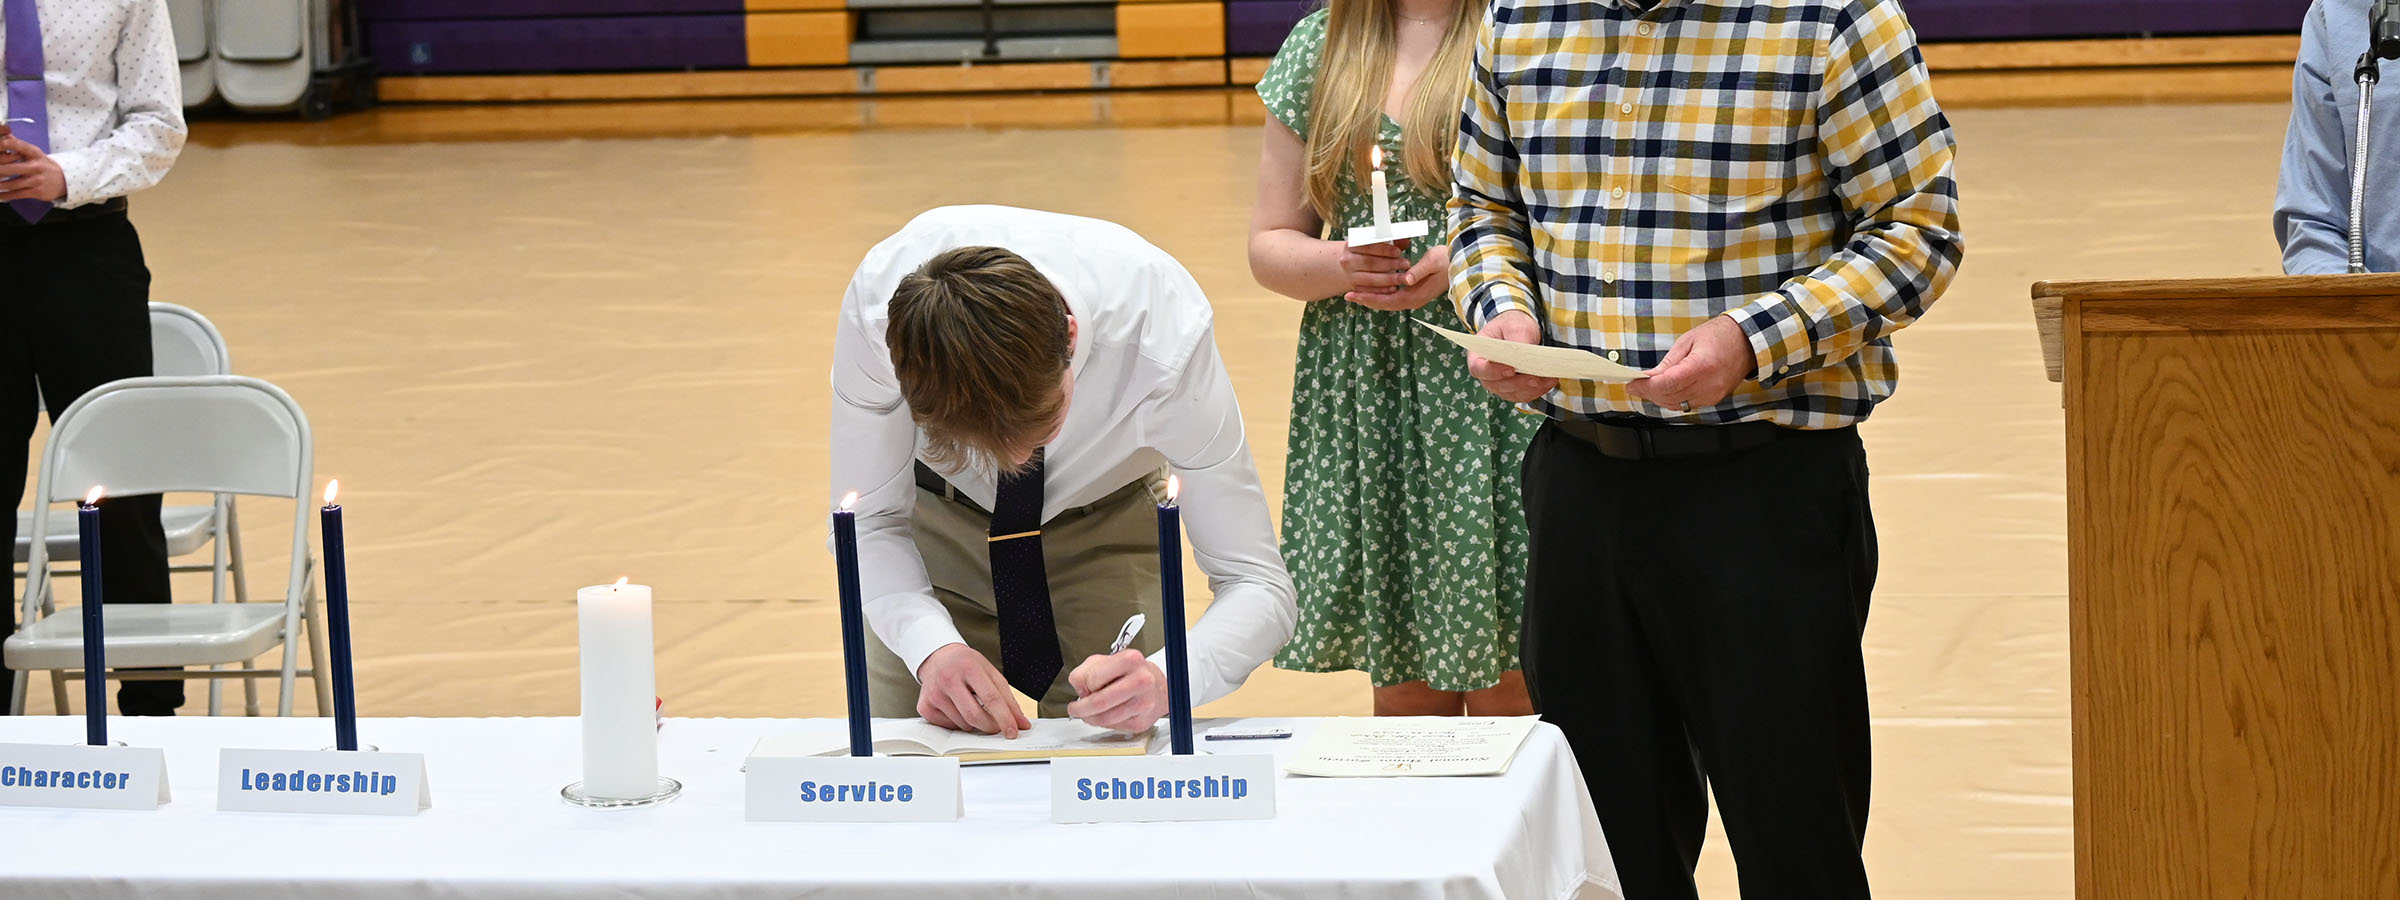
<point>498,829</point>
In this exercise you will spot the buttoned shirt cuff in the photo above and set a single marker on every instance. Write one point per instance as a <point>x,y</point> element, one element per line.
<point>921,638</point>
<point>1492,299</point>
<point>75,169</point>
<point>1204,683</point>
<point>1779,340</point>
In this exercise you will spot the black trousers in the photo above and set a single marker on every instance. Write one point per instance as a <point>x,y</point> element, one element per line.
<point>1694,624</point>
<point>74,314</point>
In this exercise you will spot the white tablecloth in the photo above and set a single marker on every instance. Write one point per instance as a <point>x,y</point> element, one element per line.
<point>498,830</point>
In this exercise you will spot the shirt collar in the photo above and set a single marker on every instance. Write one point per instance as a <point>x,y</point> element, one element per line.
<point>1084,323</point>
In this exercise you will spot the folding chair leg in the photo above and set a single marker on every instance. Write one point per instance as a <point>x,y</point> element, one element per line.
<point>318,674</point>
<point>16,694</point>
<point>250,689</point>
<point>216,591</point>
<point>233,544</point>
<point>58,693</point>
<point>291,662</point>
<point>299,611</point>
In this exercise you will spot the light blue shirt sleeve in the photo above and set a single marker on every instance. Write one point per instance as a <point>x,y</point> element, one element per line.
<point>2312,200</point>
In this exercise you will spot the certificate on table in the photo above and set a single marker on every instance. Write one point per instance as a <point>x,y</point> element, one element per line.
<point>1412,747</point>
<point>1541,360</point>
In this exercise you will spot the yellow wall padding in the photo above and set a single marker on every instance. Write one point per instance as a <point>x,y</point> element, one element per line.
<point>1167,30</point>
<point>799,38</point>
<point>759,6</point>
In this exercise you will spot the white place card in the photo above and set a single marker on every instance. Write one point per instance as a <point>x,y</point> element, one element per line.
<point>81,776</point>
<point>1162,788</point>
<point>791,787</point>
<point>329,782</point>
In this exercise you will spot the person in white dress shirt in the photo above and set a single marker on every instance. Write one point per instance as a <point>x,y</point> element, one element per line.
<point>1010,389</point>
<point>94,110</point>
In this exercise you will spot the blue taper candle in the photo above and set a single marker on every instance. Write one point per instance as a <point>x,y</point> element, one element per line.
<point>854,626</point>
<point>337,622</point>
<point>1170,609</point>
<point>95,638</point>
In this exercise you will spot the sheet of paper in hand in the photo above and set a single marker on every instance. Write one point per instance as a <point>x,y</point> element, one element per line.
<point>1412,747</point>
<point>1543,361</point>
<point>1047,739</point>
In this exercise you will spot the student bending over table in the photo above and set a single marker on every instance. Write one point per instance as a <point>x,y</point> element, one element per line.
<point>1010,389</point>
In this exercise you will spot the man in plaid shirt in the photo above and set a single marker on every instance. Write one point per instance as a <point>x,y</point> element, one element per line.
<point>1746,198</point>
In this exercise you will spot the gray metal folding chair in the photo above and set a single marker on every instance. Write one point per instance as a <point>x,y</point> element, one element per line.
<point>218,434</point>
<point>182,342</point>
<point>190,20</point>
<point>262,51</point>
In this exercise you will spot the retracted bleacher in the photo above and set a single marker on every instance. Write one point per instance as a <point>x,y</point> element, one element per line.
<point>507,37</point>
<point>511,49</point>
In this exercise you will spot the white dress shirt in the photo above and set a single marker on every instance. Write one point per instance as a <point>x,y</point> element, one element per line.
<point>116,95</point>
<point>1150,390</point>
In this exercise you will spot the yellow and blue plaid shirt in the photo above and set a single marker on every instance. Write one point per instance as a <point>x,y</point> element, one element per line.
<point>1628,171</point>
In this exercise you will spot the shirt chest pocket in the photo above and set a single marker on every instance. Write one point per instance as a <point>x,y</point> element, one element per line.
<point>1742,150</point>
<point>1559,138</point>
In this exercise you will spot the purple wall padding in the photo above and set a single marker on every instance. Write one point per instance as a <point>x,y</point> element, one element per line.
<point>1952,20</point>
<point>591,44</point>
<point>1257,27</point>
<point>430,10</point>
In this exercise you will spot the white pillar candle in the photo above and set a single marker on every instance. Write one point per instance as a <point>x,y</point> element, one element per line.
<point>620,724</point>
<point>1383,200</point>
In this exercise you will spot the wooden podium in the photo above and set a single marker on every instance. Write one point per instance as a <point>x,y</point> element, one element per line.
<point>2233,534</point>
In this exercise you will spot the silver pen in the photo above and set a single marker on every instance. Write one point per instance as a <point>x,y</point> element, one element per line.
<point>1125,635</point>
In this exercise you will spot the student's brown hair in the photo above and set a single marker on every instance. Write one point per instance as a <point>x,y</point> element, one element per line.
<point>979,342</point>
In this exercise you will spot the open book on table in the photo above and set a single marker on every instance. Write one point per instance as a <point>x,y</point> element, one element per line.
<point>1047,739</point>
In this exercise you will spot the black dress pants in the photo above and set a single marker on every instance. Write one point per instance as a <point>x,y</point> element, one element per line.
<point>1694,623</point>
<point>74,314</point>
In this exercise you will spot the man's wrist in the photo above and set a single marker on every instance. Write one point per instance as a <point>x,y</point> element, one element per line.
<point>1492,300</point>
<point>922,642</point>
<point>1778,335</point>
<point>70,170</point>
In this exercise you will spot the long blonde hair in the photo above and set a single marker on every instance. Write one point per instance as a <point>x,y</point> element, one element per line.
<point>1355,72</point>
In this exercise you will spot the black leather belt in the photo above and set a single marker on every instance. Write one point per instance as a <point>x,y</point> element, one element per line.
<point>1642,438</point>
<point>933,481</point>
<point>930,480</point>
<point>114,206</point>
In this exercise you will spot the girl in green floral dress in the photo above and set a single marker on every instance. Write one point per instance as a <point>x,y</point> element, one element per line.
<point>1402,521</point>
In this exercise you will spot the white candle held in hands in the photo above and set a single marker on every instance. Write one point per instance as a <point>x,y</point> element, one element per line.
<point>1380,192</point>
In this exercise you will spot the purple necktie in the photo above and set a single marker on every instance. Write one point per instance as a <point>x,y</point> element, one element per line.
<point>28,98</point>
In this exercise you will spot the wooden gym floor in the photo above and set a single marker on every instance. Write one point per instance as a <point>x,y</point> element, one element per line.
<point>544,347</point>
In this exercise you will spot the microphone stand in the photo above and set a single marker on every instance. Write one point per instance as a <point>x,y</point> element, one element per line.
<point>2383,42</point>
<point>2370,71</point>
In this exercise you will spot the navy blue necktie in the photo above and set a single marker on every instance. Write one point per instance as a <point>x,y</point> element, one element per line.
<point>1029,655</point>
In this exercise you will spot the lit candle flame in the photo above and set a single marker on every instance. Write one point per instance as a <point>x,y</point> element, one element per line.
<point>1375,157</point>
<point>1174,486</point>
<point>849,500</point>
<point>93,498</point>
<point>621,579</point>
<point>331,488</point>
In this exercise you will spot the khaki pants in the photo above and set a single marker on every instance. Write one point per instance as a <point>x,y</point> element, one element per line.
<point>1102,561</point>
